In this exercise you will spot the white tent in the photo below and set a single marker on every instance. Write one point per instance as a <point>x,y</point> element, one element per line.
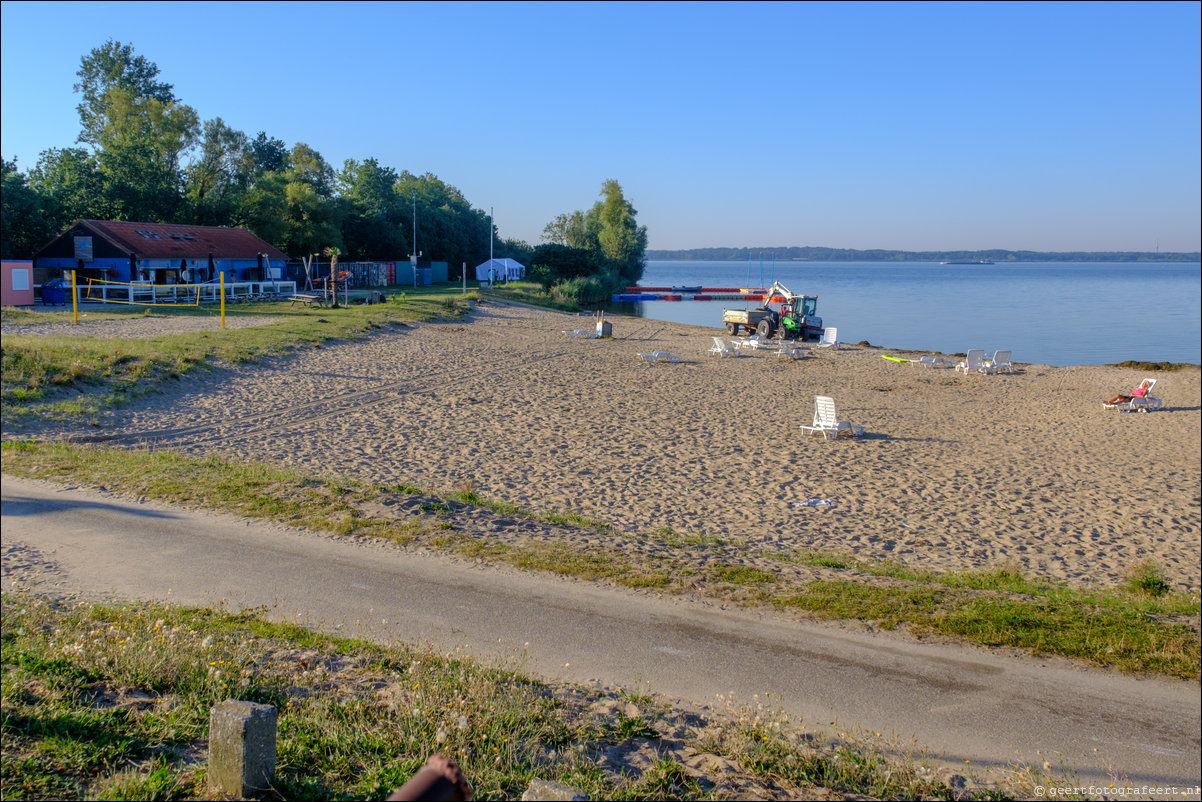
<point>500,270</point>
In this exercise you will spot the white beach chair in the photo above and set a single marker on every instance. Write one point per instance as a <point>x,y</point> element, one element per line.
<point>659,356</point>
<point>931,362</point>
<point>974,360</point>
<point>830,338</point>
<point>1143,403</point>
<point>722,349</point>
<point>827,421</point>
<point>791,353</point>
<point>999,362</point>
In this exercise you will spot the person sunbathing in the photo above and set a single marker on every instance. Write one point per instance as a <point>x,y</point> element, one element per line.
<point>1138,392</point>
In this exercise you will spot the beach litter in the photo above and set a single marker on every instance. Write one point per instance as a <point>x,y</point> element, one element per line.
<point>814,502</point>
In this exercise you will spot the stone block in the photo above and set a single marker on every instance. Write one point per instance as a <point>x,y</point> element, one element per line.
<point>547,791</point>
<point>242,739</point>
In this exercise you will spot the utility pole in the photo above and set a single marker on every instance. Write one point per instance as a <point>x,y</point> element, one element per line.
<point>413,256</point>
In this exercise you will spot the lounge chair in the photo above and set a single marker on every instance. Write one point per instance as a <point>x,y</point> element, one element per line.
<point>1143,403</point>
<point>974,360</point>
<point>999,362</point>
<point>658,356</point>
<point>827,421</point>
<point>753,343</point>
<point>830,338</point>
<point>791,352</point>
<point>931,362</point>
<point>587,334</point>
<point>722,348</point>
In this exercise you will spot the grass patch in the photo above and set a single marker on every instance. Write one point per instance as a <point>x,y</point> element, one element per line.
<point>112,702</point>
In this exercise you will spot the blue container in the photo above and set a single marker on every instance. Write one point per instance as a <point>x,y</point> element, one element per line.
<point>54,292</point>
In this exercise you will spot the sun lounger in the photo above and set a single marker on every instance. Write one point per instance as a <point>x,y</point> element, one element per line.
<point>974,360</point>
<point>1143,403</point>
<point>659,356</point>
<point>827,421</point>
<point>722,349</point>
<point>830,338</point>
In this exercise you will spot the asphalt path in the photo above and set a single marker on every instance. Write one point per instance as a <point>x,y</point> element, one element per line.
<point>962,703</point>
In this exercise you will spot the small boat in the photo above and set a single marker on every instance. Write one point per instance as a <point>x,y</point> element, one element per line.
<point>686,289</point>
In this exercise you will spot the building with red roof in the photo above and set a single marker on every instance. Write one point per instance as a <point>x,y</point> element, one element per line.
<point>159,253</point>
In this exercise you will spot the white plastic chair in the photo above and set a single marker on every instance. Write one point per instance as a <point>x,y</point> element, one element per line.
<point>1000,361</point>
<point>931,362</point>
<point>722,349</point>
<point>827,421</point>
<point>830,338</point>
<point>974,360</point>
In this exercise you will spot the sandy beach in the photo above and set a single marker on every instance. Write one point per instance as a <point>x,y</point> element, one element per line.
<point>954,471</point>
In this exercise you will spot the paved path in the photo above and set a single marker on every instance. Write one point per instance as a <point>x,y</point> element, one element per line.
<point>965,704</point>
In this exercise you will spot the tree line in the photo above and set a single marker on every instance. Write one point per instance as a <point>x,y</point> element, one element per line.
<point>143,155</point>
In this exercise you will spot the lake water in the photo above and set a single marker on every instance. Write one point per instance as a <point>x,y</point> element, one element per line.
<point>1050,313</point>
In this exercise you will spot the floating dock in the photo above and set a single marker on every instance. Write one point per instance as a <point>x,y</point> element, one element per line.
<point>636,294</point>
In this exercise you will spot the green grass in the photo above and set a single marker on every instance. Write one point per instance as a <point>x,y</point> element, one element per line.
<point>112,702</point>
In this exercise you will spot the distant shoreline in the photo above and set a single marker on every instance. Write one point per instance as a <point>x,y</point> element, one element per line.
<point>813,254</point>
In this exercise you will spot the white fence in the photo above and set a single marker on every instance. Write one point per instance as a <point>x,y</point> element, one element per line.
<point>144,293</point>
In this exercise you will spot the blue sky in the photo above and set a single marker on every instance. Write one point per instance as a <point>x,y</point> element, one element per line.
<point>914,126</point>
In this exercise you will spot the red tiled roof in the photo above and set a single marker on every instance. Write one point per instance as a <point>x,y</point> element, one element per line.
<point>161,240</point>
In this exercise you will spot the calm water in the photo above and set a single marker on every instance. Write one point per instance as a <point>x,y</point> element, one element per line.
<point>1051,313</point>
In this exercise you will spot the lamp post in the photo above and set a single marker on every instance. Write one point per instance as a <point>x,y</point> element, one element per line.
<point>413,256</point>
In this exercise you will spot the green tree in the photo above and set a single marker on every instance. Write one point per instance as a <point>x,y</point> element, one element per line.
<point>114,65</point>
<point>311,213</point>
<point>70,185</point>
<point>567,229</point>
<point>622,241</point>
<point>25,225</point>
<point>374,225</point>
<point>564,262</point>
<point>139,148</point>
<point>220,175</point>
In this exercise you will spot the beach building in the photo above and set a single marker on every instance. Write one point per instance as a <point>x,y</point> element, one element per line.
<point>158,253</point>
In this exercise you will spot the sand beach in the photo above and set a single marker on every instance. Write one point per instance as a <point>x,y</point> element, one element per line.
<point>954,471</point>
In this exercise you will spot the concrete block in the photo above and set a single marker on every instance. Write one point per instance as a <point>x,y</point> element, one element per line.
<point>242,737</point>
<point>548,791</point>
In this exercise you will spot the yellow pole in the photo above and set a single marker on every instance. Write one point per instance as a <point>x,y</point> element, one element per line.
<point>74,302</point>
<point>223,299</point>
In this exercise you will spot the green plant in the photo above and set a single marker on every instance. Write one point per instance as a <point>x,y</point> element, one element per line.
<point>1146,578</point>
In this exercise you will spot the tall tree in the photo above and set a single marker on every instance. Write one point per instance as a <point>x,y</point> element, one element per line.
<point>221,173</point>
<point>25,225</point>
<point>114,65</point>
<point>70,183</point>
<point>623,242</point>
<point>312,215</point>
<point>374,226</point>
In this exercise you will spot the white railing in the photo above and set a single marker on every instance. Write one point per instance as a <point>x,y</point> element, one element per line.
<point>145,293</point>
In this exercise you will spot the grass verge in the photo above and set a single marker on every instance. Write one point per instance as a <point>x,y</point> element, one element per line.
<point>112,702</point>
<point>1138,627</point>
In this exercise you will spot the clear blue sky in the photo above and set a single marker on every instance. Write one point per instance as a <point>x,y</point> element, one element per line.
<point>913,126</point>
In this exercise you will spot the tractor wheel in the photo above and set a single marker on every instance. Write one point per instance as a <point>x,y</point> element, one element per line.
<point>732,329</point>
<point>764,329</point>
